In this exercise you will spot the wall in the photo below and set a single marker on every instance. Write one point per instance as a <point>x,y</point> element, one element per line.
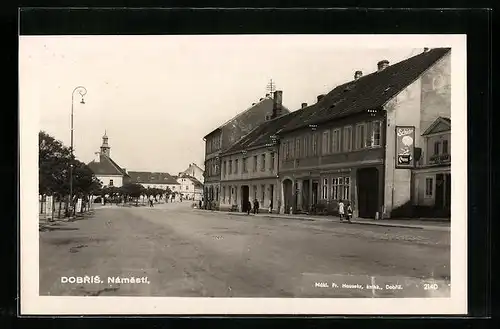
<point>231,193</point>
<point>251,173</point>
<point>402,110</point>
<point>117,180</point>
<point>436,92</point>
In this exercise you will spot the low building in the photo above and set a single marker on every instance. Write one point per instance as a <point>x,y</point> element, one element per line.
<point>105,169</point>
<point>432,175</point>
<point>357,143</point>
<point>190,188</point>
<point>249,169</point>
<point>159,180</point>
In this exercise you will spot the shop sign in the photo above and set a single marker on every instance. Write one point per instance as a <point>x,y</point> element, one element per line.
<point>405,146</point>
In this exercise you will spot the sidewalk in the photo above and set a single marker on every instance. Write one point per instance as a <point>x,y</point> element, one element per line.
<point>425,224</point>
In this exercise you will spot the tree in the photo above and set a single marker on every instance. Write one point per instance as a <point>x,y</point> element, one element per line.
<point>133,190</point>
<point>54,164</point>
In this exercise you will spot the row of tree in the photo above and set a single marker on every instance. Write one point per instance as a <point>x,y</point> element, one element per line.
<point>55,161</point>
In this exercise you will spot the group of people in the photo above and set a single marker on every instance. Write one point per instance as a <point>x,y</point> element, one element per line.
<point>255,208</point>
<point>345,211</point>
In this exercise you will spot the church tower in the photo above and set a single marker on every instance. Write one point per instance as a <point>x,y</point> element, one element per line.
<point>105,149</point>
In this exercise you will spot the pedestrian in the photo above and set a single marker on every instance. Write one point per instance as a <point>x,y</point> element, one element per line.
<point>151,200</point>
<point>199,204</point>
<point>341,210</point>
<point>249,207</point>
<point>349,212</point>
<point>271,206</point>
<point>255,206</point>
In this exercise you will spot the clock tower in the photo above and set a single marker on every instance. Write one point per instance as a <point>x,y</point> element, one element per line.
<point>105,149</point>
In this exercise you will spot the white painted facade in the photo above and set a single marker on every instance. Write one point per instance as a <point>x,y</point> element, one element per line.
<point>110,180</point>
<point>189,189</point>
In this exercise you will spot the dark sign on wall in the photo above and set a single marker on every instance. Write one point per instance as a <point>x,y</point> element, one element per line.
<point>405,146</point>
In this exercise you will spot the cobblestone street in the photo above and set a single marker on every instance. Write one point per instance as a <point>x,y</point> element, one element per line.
<point>174,250</point>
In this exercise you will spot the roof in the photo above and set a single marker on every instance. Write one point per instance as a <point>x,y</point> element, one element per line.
<point>196,182</point>
<point>368,92</point>
<point>261,135</point>
<point>106,166</point>
<point>146,177</point>
<point>263,103</point>
<point>439,125</point>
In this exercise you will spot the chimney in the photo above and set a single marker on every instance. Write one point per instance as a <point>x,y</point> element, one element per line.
<point>253,104</point>
<point>97,157</point>
<point>320,97</point>
<point>357,75</point>
<point>382,65</point>
<point>303,105</point>
<point>267,95</point>
<point>277,103</point>
<point>260,100</point>
<point>125,170</point>
<point>426,49</point>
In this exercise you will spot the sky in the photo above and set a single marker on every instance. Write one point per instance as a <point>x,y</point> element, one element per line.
<point>158,96</point>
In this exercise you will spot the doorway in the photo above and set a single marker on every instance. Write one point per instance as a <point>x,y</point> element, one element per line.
<point>314,199</point>
<point>368,181</point>
<point>245,194</point>
<point>443,191</point>
<point>287,194</point>
<point>271,195</point>
<point>305,195</point>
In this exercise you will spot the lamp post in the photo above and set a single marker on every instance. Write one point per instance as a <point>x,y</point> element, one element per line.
<point>82,91</point>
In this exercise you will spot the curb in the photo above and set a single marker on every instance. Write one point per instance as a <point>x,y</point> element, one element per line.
<point>419,227</point>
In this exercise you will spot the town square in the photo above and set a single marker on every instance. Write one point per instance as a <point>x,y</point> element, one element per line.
<point>191,171</point>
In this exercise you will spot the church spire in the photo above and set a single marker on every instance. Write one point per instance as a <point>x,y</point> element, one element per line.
<point>105,149</point>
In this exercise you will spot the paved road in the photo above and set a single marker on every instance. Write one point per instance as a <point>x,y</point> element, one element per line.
<point>174,250</point>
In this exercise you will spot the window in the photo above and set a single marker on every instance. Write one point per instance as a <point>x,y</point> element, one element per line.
<point>297,148</point>
<point>187,188</point>
<point>315,144</point>
<point>230,167</point>
<point>445,146</point>
<point>224,168</point>
<point>223,194</point>
<point>271,164</point>
<point>347,138</point>
<point>325,145</point>
<point>428,186</point>
<point>263,162</point>
<point>236,166</point>
<point>110,182</point>
<point>263,194</point>
<point>360,136</point>
<point>286,151</point>
<point>255,192</point>
<point>336,141</point>
<point>436,148</point>
<point>341,188</point>
<point>245,169</point>
<point>375,138</point>
<point>305,146</point>
<point>255,163</point>
<point>325,188</point>
<point>292,150</point>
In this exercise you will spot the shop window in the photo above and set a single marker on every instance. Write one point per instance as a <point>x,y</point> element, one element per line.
<point>325,189</point>
<point>341,188</point>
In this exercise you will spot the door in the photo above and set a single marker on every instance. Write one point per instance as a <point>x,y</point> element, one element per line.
<point>245,194</point>
<point>288,194</point>
<point>314,200</point>
<point>367,181</point>
<point>271,195</point>
<point>305,195</point>
<point>440,187</point>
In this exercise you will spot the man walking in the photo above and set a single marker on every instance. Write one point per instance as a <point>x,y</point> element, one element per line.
<point>256,206</point>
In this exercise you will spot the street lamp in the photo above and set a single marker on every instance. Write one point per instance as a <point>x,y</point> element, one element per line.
<point>82,91</point>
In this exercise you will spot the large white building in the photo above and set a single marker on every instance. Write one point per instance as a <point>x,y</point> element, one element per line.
<point>105,169</point>
<point>154,180</point>
<point>194,171</point>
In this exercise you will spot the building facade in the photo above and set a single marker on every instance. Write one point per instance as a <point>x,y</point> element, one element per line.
<point>432,175</point>
<point>154,180</point>
<point>105,169</point>
<point>232,131</point>
<point>190,188</point>
<point>249,169</point>
<point>358,142</point>
<point>194,171</point>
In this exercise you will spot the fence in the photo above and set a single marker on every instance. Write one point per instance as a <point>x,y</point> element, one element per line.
<point>49,208</point>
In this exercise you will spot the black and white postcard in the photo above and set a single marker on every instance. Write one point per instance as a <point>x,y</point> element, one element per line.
<point>243,174</point>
